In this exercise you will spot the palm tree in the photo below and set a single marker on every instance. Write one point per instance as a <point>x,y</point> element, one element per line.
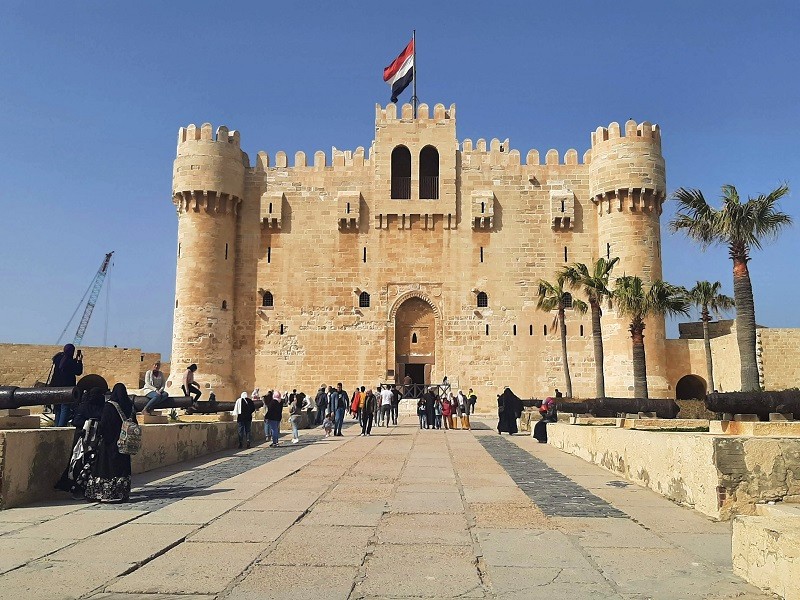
<point>634,302</point>
<point>741,226</point>
<point>705,296</point>
<point>553,296</point>
<point>594,284</point>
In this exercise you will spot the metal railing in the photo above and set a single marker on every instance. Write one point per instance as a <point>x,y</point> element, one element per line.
<point>429,187</point>
<point>401,188</point>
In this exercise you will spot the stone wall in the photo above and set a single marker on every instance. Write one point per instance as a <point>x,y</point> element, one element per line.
<point>24,364</point>
<point>780,360</point>
<point>717,475</point>
<point>32,460</point>
<point>766,553</point>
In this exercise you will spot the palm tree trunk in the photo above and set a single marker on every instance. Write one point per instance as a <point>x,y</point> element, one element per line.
<point>597,340</point>
<point>639,363</point>
<point>745,324</point>
<point>563,328</point>
<point>709,361</point>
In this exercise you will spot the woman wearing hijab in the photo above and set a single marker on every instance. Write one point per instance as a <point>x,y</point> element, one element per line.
<point>243,411</point>
<point>110,480</point>
<point>84,443</point>
<point>66,368</point>
<point>509,408</point>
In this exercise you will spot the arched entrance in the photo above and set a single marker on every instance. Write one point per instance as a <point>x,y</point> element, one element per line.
<point>690,387</point>
<point>415,340</point>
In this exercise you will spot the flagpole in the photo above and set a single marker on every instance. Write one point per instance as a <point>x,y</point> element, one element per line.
<point>414,100</point>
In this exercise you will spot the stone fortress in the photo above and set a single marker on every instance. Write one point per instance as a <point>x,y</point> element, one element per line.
<point>417,257</point>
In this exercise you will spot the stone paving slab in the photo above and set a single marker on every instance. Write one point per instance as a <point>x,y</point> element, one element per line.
<point>295,583</point>
<point>16,551</point>
<point>239,526</point>
<point>321,546</point>
<point>424,529</point>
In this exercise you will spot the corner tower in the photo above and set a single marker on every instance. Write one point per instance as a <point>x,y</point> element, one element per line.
<point>627,183</point>
<point>207,189</point>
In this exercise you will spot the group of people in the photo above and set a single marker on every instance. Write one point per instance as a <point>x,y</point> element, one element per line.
<point>106,434</point>
<point>445,410</point>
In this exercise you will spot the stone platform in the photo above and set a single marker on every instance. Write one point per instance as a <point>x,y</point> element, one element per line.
<point>404,513</point>
<point>757,428</point>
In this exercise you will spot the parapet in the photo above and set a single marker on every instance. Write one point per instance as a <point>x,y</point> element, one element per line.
<point>643,131</point>
<point>209,161</point>
<point>389,114</point>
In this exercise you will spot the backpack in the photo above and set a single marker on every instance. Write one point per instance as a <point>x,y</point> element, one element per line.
<point>130,435</point>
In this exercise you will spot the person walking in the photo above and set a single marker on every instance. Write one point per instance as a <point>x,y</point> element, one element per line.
<point>430,414</point>
<point>447,412</point>
<point>421,413</point>
<point>437,411</point>
<point>295,414</point>
<point>339,404</point>
<point>395,404</point>
<point>308,408</point>
<point>243,411</point>
<point>509,408</point>
<point>273,413</point>
<point>386,404</point>
<point>154,382</point>
<point>458,412</point>
<point>473,400</point>
<point>110,479</point>
<point>367,412</point>
<point>321,402</point>
<point>463,404</point>
<point>67,365</point>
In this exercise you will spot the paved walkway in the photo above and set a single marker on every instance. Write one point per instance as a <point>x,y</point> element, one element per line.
<point>401,514</point>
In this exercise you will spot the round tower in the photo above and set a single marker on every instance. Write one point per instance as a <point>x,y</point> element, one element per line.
<point>207,189</point>
<point>627,183</point>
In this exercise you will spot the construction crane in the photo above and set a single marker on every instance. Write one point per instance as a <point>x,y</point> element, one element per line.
<point>95,286</point>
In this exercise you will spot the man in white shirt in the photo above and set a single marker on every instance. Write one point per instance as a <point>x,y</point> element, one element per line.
<point>386,404</point>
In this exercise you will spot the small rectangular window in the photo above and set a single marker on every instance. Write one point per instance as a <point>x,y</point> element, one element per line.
<point>530,330</point>
<point>365,254</point>
<point>269,254</point>
<point>565,254</point>
<point>281,328</point>
<point>179,250</point>
<point>545,330</point>
<point>515,330</point>
<point>226,251</point>
<point>481,253</point>
<point>608,251</point>
<point>487,329</point>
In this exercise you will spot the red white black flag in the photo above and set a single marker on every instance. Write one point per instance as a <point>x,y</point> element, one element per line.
<point>401,72</point>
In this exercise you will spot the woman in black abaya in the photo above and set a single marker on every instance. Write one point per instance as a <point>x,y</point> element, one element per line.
<point>84,443</point>
<point>509,409</point>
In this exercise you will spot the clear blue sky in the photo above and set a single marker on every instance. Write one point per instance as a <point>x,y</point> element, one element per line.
<point>92,95</point>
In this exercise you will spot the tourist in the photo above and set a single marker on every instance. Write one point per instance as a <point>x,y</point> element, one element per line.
<point>355,405</point>
<point>321,402</point>
<point>437,412</point>
<point>308,408</point>
<point>458,411</point>
<point>395,404</point>
<point>256,397</point>
<point>463,404</point>
<point>407,383</point>
<point>378,407</point>
<point>558,394</point>
<point>473,400</point>
<point>243,411</point>
<point>84,443</point>
<point>295,414</point>
<point>110,480</point>
<point>447,408</point>
<point>154,382</point>
<point>386,404</point>
<point>273,413</point>
<point>67,365</point>
<point>338,404</point>
<point>327,424</point>
<point>430,409</point>
<point>367,411</point>
<point>548,414</point>
<point>509,409</point>
<point>421,413</point>
<point>190,387</point>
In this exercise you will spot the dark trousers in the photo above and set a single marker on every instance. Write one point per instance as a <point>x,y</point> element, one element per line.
<point>395,411</point>
<point>244,428</point>
<point>320,415</point>
<point>193,391</point>
<point>62,414</point>
<point>338,421</point>
<point>366,424</point>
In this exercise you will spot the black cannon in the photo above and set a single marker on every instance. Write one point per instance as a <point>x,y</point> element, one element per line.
<point>185,402</point>
<point>613,407</point>
<point>755,403</point>
<point>17,397</point>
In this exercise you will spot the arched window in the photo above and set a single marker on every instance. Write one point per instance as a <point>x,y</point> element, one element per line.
<point>567,300</point>
<point>413,338</point>
<point>401,173</point>
<point>581,330</point>
<point>429,173</point>
<point>363,300</point>
<point>224,305</point>
<point>268,301</point>
<point>483,300</point>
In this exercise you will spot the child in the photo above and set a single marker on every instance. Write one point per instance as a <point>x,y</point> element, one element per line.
<point>327,424</point>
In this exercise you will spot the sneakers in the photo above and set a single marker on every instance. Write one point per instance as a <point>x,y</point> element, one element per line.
<point>295,440</point>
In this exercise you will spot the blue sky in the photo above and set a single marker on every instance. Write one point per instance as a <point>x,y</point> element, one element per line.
<point>92,95</point>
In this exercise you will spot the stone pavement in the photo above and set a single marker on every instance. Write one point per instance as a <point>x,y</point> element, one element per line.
<point>403,513</point>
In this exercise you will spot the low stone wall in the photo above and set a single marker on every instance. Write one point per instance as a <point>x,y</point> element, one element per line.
<point>766,552</point>
<point>32,460</point>
<point>717,475</point>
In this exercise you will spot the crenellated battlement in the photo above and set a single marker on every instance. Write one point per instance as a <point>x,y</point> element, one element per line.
<point>205,132</point>
<point>389,114</point>
<point>339,158</point>
<point>644,131</point>
<point>500,153</point>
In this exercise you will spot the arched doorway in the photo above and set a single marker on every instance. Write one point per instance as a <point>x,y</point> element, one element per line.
<point>690,387</point>
<point>415,340</point>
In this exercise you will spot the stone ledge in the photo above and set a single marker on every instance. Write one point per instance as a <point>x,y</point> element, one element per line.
<point>766,553</point>
<point>756,428</point>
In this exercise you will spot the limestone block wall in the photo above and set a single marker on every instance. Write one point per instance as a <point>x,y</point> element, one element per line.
<point>766,552</point>
<point>23,364</point>
<point>779,358</point>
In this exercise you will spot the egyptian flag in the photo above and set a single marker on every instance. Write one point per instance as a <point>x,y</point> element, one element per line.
<point>401,72</point>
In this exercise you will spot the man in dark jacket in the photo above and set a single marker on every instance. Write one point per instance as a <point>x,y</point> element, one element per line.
<point>321,401</point>
<point>339,404</point>
<point>274,410</point>
<point>67,365</point>
<point>243,411</point>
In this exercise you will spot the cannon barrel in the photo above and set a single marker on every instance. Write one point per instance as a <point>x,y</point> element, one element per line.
<point>17,397</point>
<point>612,407</point>
<point>203,407</point>
<point>755,403</point>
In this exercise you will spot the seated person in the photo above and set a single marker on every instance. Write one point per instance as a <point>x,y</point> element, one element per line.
<point>189,387</point>
<point>154,383</point>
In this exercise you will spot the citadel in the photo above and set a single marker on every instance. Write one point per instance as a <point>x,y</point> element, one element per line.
<point>419,257</point>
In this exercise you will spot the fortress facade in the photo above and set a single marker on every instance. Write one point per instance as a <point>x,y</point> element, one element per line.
<point>419,256</point>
